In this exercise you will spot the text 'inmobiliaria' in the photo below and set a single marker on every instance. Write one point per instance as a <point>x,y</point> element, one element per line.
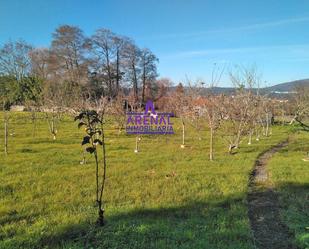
<point>149,122</point>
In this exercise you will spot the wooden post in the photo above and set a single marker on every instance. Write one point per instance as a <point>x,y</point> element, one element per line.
<point>136,144</point>
<point>33,122</point>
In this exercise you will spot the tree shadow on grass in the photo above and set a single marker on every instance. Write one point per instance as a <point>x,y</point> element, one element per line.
<point>13,217</point>
<point>195,225</point>
<point>214,224</point>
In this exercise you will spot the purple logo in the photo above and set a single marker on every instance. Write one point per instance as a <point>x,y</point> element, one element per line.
<point>149,122</point>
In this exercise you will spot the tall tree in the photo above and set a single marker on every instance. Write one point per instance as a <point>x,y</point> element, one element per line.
<point>104,49</point>
<point>15,67</point>
<point>40,60</point>
<point>149,70</point>
<point>300,104</point>
<point>68,49</point>
<point>119,44</point>
<point>132,57</point>
<point>237,110</point>
<point>68,64</point>
<point>15,60</point>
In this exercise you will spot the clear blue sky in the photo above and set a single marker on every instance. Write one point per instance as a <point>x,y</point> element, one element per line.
<point>188,36</point>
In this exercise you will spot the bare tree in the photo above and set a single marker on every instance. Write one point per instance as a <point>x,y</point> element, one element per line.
<point>12,69</point>
<point>68,53</point>
<point>106,50</point>
<point>15,60</point>
<point>180,104</point>
<point>40,60</point>
<point>300,105</point>
<point>118,112</point>
<point>6,130</point>
<point>132,57</point>
<point>119,45</point>
<point>210,110</point>
<point>266,115</point>
<point>52,120</point>
<point>149,70</point>
<point>237,109</point>
<point>68,42</point>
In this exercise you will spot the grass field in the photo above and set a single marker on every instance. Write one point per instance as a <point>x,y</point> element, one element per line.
<point>290,177</point>
<point>162,197</point>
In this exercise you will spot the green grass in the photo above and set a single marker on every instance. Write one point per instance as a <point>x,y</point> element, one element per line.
<point>162,197</point>
<point>290,177</point>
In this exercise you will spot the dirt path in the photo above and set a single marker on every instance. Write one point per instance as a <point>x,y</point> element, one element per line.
<point>268,230</point>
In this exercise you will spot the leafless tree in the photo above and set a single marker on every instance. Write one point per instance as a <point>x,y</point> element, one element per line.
<point>68,48</point>
<point>180,103</point>
<point>106,48</point>
<point>40,61</point>
<point>132,57</point>
<point>149,71</point>
<point>119,46</point>
<point>118,111</point>
<point>266,115</point>
<point>238,109</point>
<point>67,66</point>
<point>15,60</point>
<point>209,109</point>
<point>300,105</point>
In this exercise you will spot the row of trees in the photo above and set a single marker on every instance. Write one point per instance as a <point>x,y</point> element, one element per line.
<point>74,67</point>
<point>231,117</point>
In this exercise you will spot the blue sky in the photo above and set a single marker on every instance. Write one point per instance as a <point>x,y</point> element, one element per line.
<point>189,37</point>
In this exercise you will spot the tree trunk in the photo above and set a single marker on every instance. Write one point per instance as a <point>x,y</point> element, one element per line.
<point>110,83</point>
<point>282,117</point>
<point>237,141</point>
<point>5,133</point>
<point>231,146</point>
<point>117,73</point>
<point>293,119</point>
<point>51,125</point>
<point>250,137</point>
<point>135,84</point>
<point>101,214</point>
<point>136,144</point>
<point>183,132</point>
<point>101,220</point>
<point>53,128</point>
<point>34,123</point>
<point>267,125</point>
<point>144,84</point>
<point>257,133</point>
<point>211,144</point>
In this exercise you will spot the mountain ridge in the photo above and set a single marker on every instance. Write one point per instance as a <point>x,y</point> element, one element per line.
<point>278,90</point>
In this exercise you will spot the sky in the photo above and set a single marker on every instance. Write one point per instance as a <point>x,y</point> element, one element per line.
<point>191,38</point>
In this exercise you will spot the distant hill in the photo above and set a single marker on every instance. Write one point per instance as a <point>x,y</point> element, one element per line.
<point>279,90</point>
<point>288,86</point>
